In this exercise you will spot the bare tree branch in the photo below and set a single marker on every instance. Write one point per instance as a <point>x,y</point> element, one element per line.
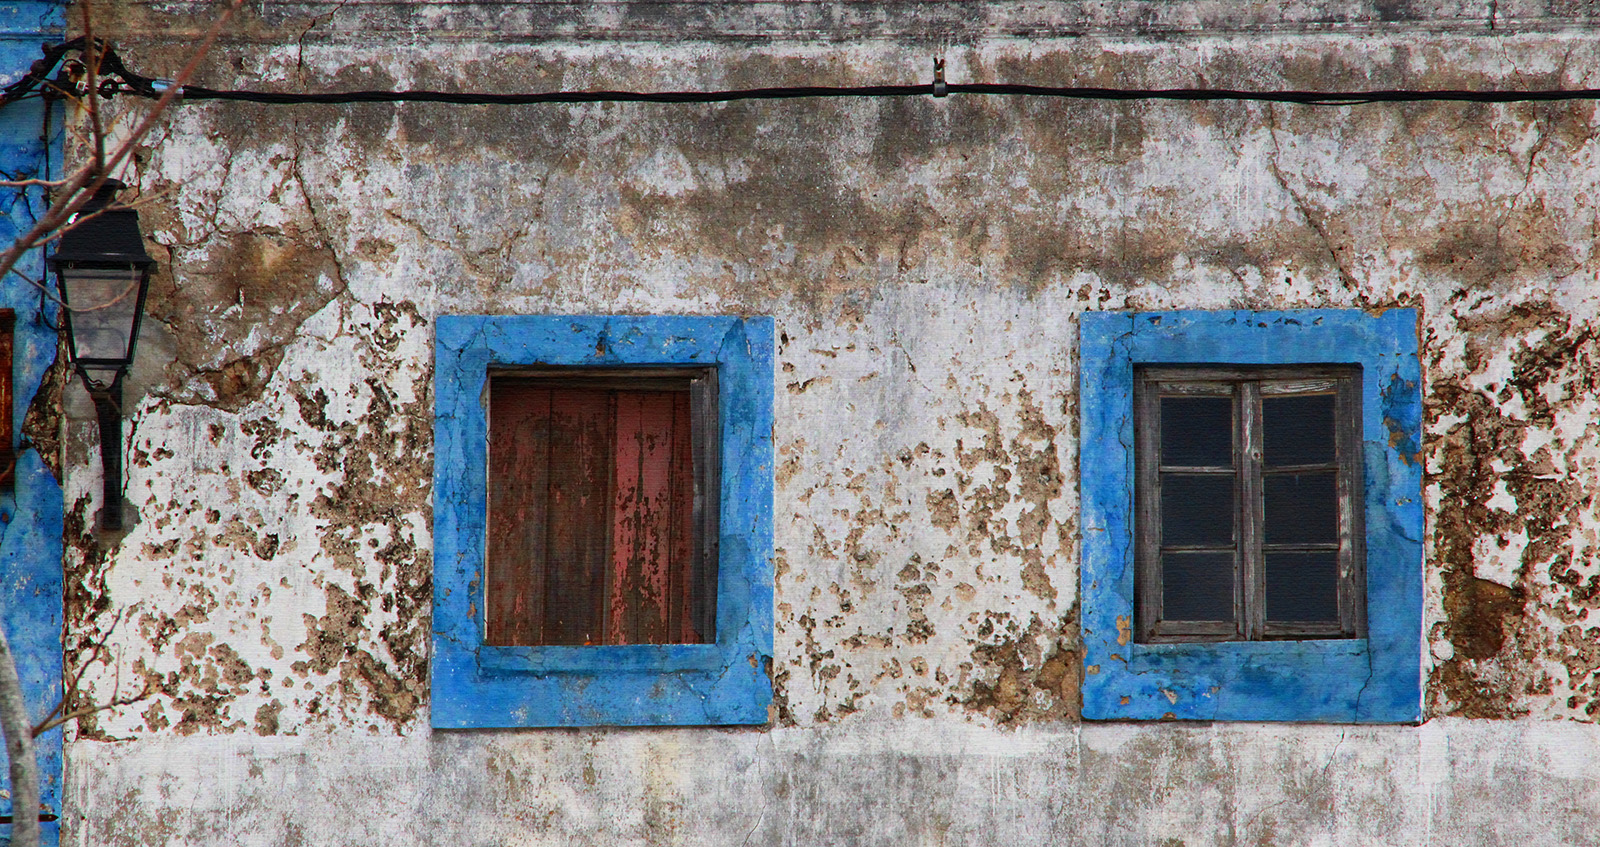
<point>52,294</point>
<point>91,60</point>
<point>115,702</point>
<point>19,749</point>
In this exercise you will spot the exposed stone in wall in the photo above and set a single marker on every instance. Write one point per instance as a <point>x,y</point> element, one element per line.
<point>281,573</point>
<point>1515,465</point>
<point>43,423</point>
<point>906,527</point>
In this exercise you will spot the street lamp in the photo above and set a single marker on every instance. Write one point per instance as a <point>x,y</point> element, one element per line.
<point>103,273</point>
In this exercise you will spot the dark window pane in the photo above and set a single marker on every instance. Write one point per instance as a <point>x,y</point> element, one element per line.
<point>1197,510</point>
<point>1301,508</point>
<point>1197,586</point>
<point>1298,430</point>
<point>1197,431</point>
<point>1303,587</point>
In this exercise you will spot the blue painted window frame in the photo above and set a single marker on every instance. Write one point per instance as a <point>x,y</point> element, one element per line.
<point>1376,679</point>
<point>477,685</point>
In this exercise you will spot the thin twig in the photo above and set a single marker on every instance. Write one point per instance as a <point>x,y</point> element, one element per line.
<point>59,716</point>
<point>91,55</point>
<point>50,293</point>
<point>31,183</point>
<point>115,703</point>
<point>74,677</point>
<point>121,296</point>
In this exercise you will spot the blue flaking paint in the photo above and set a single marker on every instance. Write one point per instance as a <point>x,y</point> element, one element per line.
<point>476,685</point>
<point>1377,679</point>
<point>1402,418</point>
<point>31,514</point>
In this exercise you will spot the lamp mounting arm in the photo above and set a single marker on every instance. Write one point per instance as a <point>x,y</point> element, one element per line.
<point>108,415</point>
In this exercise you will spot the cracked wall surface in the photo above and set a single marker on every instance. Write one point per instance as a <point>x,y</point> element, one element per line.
<point>925,261</point>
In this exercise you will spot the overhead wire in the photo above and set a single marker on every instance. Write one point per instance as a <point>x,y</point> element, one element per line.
<point>120,80</point>
<point>1308,98</point>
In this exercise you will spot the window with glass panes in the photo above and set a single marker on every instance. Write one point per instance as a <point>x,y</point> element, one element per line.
<point>1248,503</point>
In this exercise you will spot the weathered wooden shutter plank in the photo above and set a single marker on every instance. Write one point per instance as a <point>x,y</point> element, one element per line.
<point>680,609</point>
<point>519,458</point>
<point>642,519</point>
<point>595,512</point>
<point>578,538</point>
<point>656,562</point>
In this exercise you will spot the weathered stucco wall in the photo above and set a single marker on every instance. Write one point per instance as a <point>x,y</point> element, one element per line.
<point>924,261</point>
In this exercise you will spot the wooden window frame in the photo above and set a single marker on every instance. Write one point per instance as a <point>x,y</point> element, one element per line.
<point>705,428</point>
<point>1246,386</point>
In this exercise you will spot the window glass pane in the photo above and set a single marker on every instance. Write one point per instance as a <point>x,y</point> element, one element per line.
<point>1303,587</point>
<point>1197,586</point>
<point>1197,510</point>
<point>1301,508</point>
<point>1197,431</point>
<point>1298,429</point>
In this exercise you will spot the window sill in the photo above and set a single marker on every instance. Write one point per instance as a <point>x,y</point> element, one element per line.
<point>1323,681</point>
<point>642,658</point>
<point>1220,649</point>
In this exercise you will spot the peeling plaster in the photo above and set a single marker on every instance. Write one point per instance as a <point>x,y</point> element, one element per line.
<point>924,262</point>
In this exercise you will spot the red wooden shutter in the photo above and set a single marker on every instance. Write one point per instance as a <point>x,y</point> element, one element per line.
<point>591,515</point>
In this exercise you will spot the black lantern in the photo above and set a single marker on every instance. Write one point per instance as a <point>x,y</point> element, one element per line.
<point>103,274</point>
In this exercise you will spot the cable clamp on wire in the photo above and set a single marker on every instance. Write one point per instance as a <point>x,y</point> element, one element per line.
<point>940,89</point>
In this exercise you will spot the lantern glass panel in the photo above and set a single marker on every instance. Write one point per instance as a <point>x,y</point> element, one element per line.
<point>104,305</point>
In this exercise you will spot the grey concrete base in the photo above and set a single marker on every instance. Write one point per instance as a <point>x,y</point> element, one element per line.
<point>1448,782</point>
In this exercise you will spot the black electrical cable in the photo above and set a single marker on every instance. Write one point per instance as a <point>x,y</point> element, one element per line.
<point>120,80</point>
<point>194,92</point>
<point>1308,98</point>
